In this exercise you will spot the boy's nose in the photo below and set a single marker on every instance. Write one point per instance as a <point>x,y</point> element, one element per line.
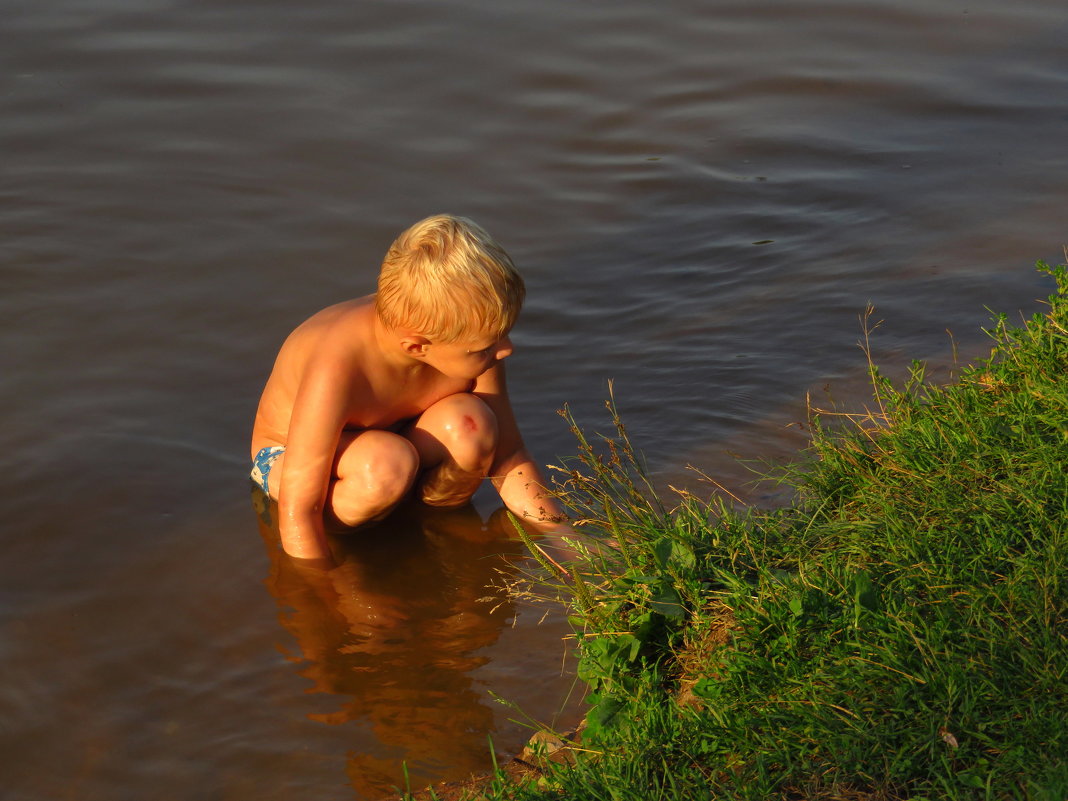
<point>504,348</point>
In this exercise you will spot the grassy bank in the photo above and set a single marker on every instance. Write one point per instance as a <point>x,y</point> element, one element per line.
<point>899,632</point>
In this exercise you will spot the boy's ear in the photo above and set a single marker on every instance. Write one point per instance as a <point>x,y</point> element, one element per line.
<point>414,345</point>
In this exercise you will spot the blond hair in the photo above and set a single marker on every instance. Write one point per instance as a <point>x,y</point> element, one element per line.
<point>447,279</point>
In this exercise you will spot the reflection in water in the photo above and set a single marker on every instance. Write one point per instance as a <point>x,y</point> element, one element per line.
<point>395,632</point>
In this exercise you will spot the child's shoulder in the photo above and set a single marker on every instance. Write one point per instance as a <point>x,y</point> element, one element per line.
<point>354,312</point>
<point>336,332</point>
<point>343,322</point>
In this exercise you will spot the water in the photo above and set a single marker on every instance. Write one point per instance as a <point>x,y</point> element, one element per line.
<point>702,196</point>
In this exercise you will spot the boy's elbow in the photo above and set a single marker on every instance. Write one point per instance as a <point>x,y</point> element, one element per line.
<point>301,532</point>
<point>298,511</point>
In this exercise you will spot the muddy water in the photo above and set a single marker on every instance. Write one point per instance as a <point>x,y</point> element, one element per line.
<point>703,197</point>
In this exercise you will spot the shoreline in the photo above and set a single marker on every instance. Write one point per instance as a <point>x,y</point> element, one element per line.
<point>892,634</point>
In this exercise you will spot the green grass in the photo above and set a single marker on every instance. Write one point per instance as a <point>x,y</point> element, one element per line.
<point>899,632</point>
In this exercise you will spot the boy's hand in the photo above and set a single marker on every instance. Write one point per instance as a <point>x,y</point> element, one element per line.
<point>556,540</point>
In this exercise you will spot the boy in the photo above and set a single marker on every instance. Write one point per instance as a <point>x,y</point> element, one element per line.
<point>376,396</point>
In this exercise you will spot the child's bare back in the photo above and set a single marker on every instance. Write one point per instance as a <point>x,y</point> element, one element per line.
<point>341,339</point>
<point>374,397</point>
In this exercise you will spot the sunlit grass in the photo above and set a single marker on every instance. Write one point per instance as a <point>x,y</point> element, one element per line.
<point>900,632</point>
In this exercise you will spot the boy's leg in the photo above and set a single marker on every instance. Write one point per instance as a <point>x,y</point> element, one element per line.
<point>456,439</point>
<point>373,471</point>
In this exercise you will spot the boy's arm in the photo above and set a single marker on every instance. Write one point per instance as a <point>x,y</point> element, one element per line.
<point>514,473</point>
<point>318,415</point>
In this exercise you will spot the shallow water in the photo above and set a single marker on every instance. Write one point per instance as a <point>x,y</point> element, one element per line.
<point>702,196</point>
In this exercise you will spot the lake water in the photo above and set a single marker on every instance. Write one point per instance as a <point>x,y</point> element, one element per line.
<point>703,197</point>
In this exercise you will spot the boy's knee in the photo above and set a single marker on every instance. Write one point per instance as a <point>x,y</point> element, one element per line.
<point>465,421</point>
<point>373,478</point>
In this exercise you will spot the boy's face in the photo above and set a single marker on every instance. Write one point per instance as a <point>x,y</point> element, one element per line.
<point>467,359</point>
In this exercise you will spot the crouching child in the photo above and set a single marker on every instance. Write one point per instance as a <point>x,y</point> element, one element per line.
<point>400,393</point>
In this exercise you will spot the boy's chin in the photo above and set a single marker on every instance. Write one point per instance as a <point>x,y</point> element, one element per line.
<point>465,376</point>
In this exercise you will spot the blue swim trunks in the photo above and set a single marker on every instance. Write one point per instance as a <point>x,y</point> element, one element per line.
<point>262,464</point>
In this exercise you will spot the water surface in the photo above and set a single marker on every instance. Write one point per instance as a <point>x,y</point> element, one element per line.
<point>703,197</point>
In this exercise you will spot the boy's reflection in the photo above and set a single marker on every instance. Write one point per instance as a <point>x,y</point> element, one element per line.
<point>395,629</point>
